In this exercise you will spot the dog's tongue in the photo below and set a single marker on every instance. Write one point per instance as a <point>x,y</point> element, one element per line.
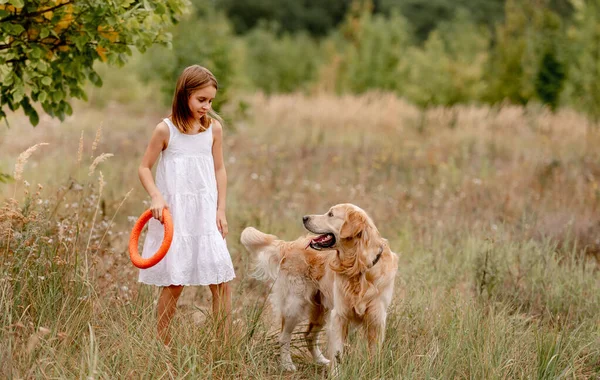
<point>321,238</point>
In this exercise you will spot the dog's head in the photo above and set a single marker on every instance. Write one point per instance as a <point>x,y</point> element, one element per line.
<point>343,224</point>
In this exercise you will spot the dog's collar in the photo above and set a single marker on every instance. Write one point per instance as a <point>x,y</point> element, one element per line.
<point>377,257</point>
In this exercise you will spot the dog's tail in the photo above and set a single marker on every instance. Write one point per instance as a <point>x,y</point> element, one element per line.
<point>268,253</point>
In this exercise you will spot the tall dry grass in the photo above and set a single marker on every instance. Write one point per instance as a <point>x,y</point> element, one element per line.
<point>493,210</point>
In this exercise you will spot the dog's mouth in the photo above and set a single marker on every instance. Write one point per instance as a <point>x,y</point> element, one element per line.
<point>323,241</point>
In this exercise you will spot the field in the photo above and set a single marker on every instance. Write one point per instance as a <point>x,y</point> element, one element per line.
<point>494,212</point>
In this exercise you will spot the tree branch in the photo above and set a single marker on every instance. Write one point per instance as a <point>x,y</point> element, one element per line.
<point>33,14</point>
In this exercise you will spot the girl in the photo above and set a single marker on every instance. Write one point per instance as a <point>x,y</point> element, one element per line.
<point>191,182</point>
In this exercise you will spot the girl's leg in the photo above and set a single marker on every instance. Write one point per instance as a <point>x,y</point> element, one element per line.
<point>221,305</point>
<point>167,303</point>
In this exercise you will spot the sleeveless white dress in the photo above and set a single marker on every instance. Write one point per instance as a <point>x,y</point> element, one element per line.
<point>185,176</point>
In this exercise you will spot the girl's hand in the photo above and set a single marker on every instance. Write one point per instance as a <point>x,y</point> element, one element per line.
<point>158,204</point>
<point>222,223</point>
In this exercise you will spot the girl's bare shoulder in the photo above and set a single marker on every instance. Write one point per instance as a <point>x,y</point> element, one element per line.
<point>216,125</point>
<point>162,130</point>
<point>217,128</point>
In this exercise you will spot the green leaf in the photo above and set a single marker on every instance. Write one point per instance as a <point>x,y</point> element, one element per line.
<point>58,95</point>
<point>45,32</point>
<point>17,3</point>
<point>47,81</point>
<point>148,5</point>
<point>34,118</point>
<point>15,29</point>
<point>68,109</point>
<point>95,79</point>
<point>18,94</point>
<point>36,52</point>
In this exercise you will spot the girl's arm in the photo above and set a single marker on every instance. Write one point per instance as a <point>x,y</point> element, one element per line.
<point>221,176</point>
<point>158,142</point>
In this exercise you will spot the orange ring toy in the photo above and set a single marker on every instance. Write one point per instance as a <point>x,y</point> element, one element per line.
<point>138,260</point>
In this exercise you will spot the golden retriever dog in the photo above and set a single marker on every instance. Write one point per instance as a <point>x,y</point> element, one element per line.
<point>343,271</point>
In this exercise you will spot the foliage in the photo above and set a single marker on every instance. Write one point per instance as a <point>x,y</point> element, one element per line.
<point>280,64</point>
<point>550,79</point>
<point>426,16</point>
<point>48,47</point>
<point>583,84</point>
<point>529,32</point>
<point>511,65</point>
<point>450,67</point>
<point>372,52</point>
<point>315,17</point>
<point>550,43</point>
<point>203,37</point>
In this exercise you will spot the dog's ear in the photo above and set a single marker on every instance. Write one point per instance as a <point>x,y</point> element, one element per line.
<point>353,226</point>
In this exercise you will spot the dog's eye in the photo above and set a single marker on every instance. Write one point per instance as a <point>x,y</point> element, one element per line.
<point>330,213</point>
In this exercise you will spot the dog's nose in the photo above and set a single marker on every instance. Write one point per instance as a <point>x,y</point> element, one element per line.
<point>305,219</point>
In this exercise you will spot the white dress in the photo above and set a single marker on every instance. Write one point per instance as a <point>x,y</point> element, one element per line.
<point>185,176</point>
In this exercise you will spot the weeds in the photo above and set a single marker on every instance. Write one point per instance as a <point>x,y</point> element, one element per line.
<point>495,278</point>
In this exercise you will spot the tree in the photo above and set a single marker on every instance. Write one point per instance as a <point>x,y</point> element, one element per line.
<point>450,67</point>
<point>583,84</point>
<point>316,17</point>
<point>372,50</point>
<point>552,70</point>
<point>426,15</point>
<point>48,47</point>
<point>550,79</point>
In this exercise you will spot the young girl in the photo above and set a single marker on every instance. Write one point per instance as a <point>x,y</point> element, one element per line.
<point>191,182</point>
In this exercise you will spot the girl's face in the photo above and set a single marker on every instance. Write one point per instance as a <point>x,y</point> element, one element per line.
<point>200,101</point>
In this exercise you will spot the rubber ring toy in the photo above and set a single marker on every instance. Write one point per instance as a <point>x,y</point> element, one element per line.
<point>138,260</point>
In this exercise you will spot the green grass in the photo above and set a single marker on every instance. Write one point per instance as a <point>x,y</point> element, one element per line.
<point>494,212</point>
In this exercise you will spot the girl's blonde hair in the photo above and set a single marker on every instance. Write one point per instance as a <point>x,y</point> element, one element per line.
<point>191,79</point>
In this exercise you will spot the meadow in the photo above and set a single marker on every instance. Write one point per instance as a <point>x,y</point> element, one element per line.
<point>492,209</point>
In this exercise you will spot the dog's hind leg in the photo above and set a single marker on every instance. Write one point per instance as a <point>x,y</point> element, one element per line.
<point>315,325</point>
<point>288,323</point>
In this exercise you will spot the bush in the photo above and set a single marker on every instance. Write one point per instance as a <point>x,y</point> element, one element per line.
<point>450,67</point>
<point>372,53</point>
<point>280,64</point>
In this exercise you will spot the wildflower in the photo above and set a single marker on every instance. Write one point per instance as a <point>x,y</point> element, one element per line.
<point>101,182</point>
<point>80,150</point>
<point>22,160</point>
<point>96,140</point>
<point>97,161</point>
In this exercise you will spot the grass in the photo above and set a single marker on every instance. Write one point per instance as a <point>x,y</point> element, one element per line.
<point>494,212</point>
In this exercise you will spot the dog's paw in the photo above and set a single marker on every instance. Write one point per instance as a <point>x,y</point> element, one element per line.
<point>322,360</point>
<point>288,366</point>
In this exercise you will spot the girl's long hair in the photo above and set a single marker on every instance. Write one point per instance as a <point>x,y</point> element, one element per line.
<point>192,79</point>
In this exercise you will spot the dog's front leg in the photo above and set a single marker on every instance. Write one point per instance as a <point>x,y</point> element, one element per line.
<point>337,334</point>
<point>375,327</point>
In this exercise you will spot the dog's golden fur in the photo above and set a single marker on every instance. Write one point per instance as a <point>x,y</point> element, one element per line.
<point>345,270</point>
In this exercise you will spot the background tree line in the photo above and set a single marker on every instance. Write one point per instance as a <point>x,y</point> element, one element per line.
<point>432,52</point>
